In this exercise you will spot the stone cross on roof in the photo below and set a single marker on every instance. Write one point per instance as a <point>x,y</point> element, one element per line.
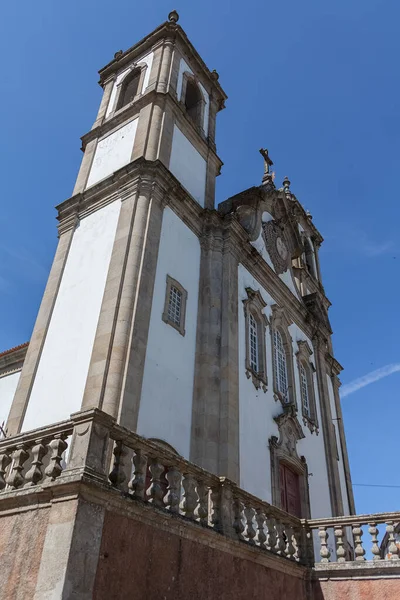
<point>269,175</point>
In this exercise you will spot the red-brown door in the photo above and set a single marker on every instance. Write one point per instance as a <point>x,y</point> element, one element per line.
<point>290,491</point>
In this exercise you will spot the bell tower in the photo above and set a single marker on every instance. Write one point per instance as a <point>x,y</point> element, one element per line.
<point>134,220</point>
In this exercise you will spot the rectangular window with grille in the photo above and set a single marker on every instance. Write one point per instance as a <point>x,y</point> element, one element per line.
<point>253,344</point>
<point>280,366</point>
<point>304,391</point>
<point>175,305</point>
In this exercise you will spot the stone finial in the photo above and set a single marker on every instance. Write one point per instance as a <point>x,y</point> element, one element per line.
<point>286,185</point>
<point>214,75</point>
<point>173,16</point>
<point>308,215</point>
<point>118,54</point>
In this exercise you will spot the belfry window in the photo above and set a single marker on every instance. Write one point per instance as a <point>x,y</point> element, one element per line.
<point>129,88</point>
<point>175,305</point>
<point>309,257</point>
<point>194,102</point>
<point>281,375</point>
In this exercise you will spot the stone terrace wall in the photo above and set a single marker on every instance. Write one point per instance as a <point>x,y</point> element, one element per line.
<point>357,589</point>
<point>139,561</point>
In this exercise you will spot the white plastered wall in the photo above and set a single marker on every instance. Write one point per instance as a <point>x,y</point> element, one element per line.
<point>8,385</point>
<point>188,166</point>
<point>342,478</point>
<point>147,60</point>
<point>113,152</point>
<point>260,246</point>
<point>166,402</point>
<point>61,376</point>
<point>256,417</point>
<point>184,67</point>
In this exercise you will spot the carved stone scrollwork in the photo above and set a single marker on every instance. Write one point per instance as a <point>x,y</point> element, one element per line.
<point>277,246</point>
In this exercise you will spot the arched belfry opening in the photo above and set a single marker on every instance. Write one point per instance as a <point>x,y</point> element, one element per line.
<point>129,88</point>
<point>194,102</point>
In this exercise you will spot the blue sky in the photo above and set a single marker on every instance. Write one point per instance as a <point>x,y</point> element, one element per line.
<point>315,82</point>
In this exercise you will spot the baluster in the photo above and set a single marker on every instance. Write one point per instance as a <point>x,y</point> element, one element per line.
<point>19,456</point>
<point>238,524</point>
<point>358,547</point>
<point>340,549</point>
<point>309,541</point>
<point>280,545</point>
<point>216,513</point>
<point>374,531</point>
<point>202,508</point>
<point>117,475</point>
<point>289,549</point>
<point>34,475</point>
<point>138,482</point>
<point>250,533</point>
<point>155,490</point>
<point>5,460</point>
<point>393,549</point>
<point>57,446</point>
<point>271,535</point>
<point>298,534</point>
<point>324,550</point>
<point>173,495</point>
<point>190,497</point>
<point>261,537</point>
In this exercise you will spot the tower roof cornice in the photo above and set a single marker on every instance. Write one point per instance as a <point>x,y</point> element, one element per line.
<point>165,30</point>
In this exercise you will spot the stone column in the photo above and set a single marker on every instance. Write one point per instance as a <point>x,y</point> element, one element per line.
<point>154,134</point>
<point>38,338</point>
<point>327,427</point>
<point>163,80</point>
<point>229,413</point>
<point>107,90</point>
<point>205,434</point>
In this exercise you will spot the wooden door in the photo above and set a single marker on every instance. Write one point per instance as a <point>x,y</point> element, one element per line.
<point>290,491</point>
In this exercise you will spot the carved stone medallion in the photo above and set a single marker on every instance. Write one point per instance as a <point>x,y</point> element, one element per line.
<point>276,246</point>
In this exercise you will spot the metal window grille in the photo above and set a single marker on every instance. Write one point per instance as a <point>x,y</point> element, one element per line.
<point>175,305</point>
<point>253,343</point>
<point>304,391</point>
<point>280,366</point>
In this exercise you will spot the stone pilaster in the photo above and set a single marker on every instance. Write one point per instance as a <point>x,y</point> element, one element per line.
<point>205,435</point>
<point>31,362</point>
<point>342,436</point>
<point>229,413</point>
<point>327,427</point>
<point>84,169</point>
<point>133,379</point>
<point>107,89</point>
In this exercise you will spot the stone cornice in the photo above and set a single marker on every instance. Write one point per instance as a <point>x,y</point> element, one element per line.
<point>165,30</point>
<point>130,112</point>
<point>12,361</point>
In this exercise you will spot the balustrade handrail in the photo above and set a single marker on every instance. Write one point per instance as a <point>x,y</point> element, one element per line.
<point>63,427</point>
<point>348,520</point>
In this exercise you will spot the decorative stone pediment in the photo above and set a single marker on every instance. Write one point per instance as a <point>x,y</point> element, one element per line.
<point>290,431</point>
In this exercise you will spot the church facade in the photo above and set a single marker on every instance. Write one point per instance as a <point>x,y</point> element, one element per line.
<point>203,328</point>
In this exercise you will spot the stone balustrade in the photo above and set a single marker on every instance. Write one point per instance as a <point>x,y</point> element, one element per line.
<point>341,538</point>
<point>104,453</point>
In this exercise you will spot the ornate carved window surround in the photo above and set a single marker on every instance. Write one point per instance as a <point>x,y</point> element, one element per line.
<point>253,308</point>
<point>280,323</point>
<point>283,450</point>
<point>306,367</point>
<point>175,305</point>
